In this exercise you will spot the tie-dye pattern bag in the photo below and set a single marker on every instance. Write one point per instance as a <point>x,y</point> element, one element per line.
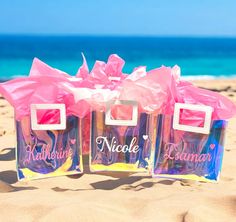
<point>48,130</point>
<point>190,134</point>
<point>121,133</point>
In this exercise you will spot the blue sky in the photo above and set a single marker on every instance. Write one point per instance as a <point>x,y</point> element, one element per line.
<point>123,17</point>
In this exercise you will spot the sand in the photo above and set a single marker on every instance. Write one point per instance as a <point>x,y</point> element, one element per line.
<point>117,197</point>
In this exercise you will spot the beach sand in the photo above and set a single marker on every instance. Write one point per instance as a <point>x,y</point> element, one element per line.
<point>93,197</point>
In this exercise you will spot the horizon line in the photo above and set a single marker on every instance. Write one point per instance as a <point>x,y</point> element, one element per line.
<point>113,35</point>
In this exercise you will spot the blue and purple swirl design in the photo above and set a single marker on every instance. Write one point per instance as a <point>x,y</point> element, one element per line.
<point>48,153</point>
<point>187,155</point>
<point>104,159</point>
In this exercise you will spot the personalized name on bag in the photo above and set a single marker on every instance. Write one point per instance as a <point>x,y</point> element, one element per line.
<point>181,152</point>
<point>114,147</point>
<point>45,154</point>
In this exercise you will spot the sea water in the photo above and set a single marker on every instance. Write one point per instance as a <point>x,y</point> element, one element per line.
<point>197,57</point>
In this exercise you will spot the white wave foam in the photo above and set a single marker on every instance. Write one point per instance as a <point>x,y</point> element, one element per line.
<point>207,77</point>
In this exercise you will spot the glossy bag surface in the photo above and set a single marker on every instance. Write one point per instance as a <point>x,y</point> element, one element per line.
<point>120,147</point>
<point>188,155</point>
<point>48,153</point>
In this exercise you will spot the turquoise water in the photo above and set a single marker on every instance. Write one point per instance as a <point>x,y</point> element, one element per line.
<point>197,57</point>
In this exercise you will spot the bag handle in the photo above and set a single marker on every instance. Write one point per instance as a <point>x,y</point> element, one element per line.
<point>36,126</point>
<point>132,122</point>
<point>196,129</point>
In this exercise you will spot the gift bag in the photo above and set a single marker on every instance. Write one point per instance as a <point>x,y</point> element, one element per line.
<point>189,152</point>
<point>121,133</point>
<point>190,134</point>
<point>47,128</point>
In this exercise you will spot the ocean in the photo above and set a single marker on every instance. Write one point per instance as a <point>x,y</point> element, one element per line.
<point>197,57</point>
